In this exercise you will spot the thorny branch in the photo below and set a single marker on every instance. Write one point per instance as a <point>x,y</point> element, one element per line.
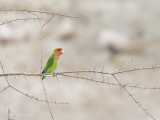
<point>68,74</point>
<point>5,88</point>
<point>133,98</point>
<point>44,90</point>
<point>18,19</point>
<point>82,71</point>
<point>25,94</point>
<point>92,80</point>
<point>47,21</point>
<point>77,77</point>
<point>35,11</point>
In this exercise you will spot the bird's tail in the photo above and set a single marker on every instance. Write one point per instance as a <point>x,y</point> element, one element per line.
<point>43,77</point>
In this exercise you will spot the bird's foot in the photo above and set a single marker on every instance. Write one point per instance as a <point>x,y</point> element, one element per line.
<point>54,74</point>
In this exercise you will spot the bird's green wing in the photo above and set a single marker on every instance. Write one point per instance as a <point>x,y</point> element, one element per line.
<point>49,64</point>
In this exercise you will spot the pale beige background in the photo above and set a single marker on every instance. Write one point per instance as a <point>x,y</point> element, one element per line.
<point>112,33</point>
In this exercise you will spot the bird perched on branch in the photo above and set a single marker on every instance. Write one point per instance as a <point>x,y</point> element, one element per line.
<point>53,61</point>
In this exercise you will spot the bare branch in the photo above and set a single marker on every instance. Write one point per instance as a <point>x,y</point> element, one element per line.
<point>70,74</point>
<point>18,19</point>
<point>137,69</point>
<point>36,98</point>
<point>47,21</point>
<point>133,98</point>
<point>77,77</point>
<point>4,73</point>
<point>110,83</point>
<point>32,97</point>
<point>44,90</point>
<point>36,11</point>
<point>83,71</point>
<point>5,88</point>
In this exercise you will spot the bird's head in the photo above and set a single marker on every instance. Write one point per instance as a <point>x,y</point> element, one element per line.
<point>58,52</point>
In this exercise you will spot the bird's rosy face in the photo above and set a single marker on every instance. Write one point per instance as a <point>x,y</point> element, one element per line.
<point>59,52</point>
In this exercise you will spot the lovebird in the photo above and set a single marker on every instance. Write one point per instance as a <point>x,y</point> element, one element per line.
<point>53,61</point>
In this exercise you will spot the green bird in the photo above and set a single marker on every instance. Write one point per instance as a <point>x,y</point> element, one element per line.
<point>53,61</point>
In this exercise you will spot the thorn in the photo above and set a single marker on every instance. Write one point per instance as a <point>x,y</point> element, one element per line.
<point>102,72</point>
<point>77,76</point>
<point>57,77</point>
<point>94,71</point>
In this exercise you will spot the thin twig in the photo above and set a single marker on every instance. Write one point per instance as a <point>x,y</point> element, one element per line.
<point>32,97</point>
<point>110,83</point>
<point>35,11</point>
<point>133,98</point>
<point>84,71</point>
<point>45,93</point>
<point>77,77</point>
<point>47,21</point>
<point>36,98</point>
<point>137,69</point>
<point>4,73</point>
<point>5,88</point>
<point>18,19</point>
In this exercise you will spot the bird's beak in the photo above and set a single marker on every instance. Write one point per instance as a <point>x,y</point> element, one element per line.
<point>62,52</point>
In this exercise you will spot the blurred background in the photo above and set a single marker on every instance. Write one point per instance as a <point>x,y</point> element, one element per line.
<point>111,33</point>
